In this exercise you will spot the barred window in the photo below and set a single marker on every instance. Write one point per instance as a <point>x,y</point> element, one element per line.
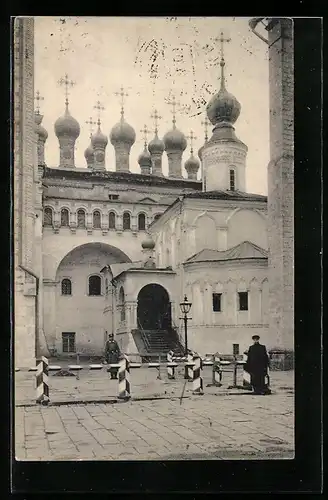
<point>64,217</point>
<point>111,220</point>
<point>81,218</point>
<point>96,219</point>
<point>66,287</point>
<point>141,222</point>
<point>94,285</point>
<point>126,220</point>
<point>47,216</point>
<point>232,180</point>
<point>68,341</point>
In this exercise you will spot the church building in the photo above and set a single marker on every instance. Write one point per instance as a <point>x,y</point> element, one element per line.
<point>118,251</point>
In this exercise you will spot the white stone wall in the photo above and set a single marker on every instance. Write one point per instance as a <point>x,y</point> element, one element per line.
<point>219,330</point>
<point>218,159</point>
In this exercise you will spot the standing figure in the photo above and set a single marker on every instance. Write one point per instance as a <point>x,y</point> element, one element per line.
<point>257,366</point>
<point>112,354</point>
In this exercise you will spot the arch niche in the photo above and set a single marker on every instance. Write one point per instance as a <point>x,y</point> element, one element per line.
<point>154,308</point>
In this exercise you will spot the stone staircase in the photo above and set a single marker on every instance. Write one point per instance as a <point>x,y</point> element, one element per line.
<point>152,342</point>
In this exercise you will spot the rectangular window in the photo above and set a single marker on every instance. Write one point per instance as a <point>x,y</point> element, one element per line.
<point>217,302</point>
<point>68,339</point>
<point>243,301</point>
<point>232,180</point>
<point>113,196</point>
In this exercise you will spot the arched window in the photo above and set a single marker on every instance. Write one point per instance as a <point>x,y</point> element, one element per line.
<point>66,287</point>
<point>126,220</point>
<point>141,222</point>
<point>81,218</point>
<point>157,216</point>
<point>96,219</point>
<point>64,217</point>
<point>111,220</point>
<point>47,217</point>
<point>232,180</point>
<point>121,302</point>
<point>94,285</point>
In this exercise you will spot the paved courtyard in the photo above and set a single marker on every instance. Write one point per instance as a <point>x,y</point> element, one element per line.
<point>85,421</point>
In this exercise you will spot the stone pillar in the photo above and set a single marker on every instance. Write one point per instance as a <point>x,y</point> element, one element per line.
<point>281,185</point>
<point>49,313</point>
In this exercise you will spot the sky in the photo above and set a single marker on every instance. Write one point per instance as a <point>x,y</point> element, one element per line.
<point>154,59</point>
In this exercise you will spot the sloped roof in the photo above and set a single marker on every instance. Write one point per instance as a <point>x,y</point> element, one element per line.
<point>245,250</point>
<point>226,195</point>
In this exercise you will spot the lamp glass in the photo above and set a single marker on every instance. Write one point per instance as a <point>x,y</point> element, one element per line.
<point>185,306</point>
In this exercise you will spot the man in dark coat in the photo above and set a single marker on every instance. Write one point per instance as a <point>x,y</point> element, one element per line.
<point>112,354</point>
<point>257,366</point>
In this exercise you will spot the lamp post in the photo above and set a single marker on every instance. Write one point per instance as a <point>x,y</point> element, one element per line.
<point>185,307</point>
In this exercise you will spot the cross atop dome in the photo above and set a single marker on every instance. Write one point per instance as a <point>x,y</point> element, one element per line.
<point>205,124</point>
<point>191,137</point>
<point>145,132</point>
<point>173,103</point>
<point>66,83</point>
<point>122,94</point>
<point>222,40</point>
<point>91,123</point>
<point>155,117</point>
<point>99,107</point>
<point>38,98</point>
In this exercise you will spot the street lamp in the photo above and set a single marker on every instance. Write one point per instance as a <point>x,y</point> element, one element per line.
<point>185,307</point>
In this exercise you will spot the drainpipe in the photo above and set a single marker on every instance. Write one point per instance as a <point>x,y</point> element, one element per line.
<point>36,306</point>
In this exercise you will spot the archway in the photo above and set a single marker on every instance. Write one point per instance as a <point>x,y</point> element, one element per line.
<point>154,308</point>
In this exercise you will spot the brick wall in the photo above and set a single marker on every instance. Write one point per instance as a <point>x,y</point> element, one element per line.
<point>281,186</point>
<point>24,191</point>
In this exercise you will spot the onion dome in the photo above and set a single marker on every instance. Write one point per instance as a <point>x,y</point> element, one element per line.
<point>89,154</point>
<point>156,145</point>
<point>122,132</point>
<point>148,243</point>
<point>67,125</point>
<point>144,158</point>
<point>223,109</point>
<point>175,139</point>
<point>41,131</point>
<point>99,139</point>
<point>192,164</point>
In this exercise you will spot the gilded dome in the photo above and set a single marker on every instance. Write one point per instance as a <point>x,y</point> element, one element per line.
<point>99,139</point>
<point>148,243</point>
<point>192,164</point>
<point>175,139</point>
<point>144,158</point>
<point>122,132</point>
<point>67,125</point>
<point>89,153</point>
<point>156,145</point>
<point>223,107</point>
<point>41,131</point>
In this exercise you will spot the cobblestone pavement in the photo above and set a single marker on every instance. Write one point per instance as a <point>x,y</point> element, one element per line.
<point>212,426</point>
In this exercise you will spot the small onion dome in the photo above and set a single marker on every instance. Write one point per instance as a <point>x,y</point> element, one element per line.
<point>144,158</point>
<point>41,131</point>
<point>192,164</point>
<point>122,132</point>
<point>67,125</point>
<point>148,243</point>
<point>89,154</point>
<point>156,145</point>
<point>223,107</point>
<point>99,139</point>
<point>174,139</point>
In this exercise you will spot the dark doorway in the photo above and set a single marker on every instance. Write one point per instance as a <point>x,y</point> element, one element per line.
<point>154,308</point>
